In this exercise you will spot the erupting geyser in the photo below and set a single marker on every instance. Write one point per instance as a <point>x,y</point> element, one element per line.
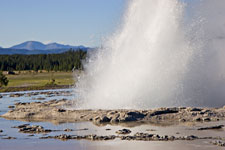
<point>166,53</point>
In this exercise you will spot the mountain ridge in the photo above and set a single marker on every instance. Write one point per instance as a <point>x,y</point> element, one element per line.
<point>36,45</point>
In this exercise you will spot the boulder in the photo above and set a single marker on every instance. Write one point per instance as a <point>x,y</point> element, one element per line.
<point>212,127</point>
<point>123,131</point>
<point>164,111</point>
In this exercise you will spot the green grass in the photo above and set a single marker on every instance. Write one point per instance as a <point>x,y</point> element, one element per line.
<point>40,79</point>
<point>28,80</point>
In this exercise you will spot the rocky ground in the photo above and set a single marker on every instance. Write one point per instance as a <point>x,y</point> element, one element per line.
<point>123,134</point>
<point>55,110</point>
<point>135,137</point>
<point>46,93</point>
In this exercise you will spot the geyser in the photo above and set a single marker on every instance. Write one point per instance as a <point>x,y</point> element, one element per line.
<point>166,53</point>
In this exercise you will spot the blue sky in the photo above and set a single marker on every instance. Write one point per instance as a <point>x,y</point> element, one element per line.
<point>75,22</point>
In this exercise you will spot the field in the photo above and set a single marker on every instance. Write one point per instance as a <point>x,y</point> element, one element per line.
<point>31,80</point>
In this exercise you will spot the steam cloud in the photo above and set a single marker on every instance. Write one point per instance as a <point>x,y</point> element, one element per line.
<point>166,53</point>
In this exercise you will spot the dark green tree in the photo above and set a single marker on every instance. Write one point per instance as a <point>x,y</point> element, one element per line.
<point>58,62</point>
<point>3,80</point>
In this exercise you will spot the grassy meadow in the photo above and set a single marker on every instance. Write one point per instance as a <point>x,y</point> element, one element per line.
<point>28,80</point>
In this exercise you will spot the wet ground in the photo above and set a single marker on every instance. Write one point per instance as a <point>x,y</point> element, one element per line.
<point>11,138</point>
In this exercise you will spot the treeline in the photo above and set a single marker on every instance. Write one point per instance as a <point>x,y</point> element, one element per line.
<point>51,62</point>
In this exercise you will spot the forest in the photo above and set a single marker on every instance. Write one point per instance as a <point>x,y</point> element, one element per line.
<point>50,62</point>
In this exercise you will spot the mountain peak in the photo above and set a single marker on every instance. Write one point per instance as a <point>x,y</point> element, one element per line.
<point>35,45</point>
<point>29,45</point>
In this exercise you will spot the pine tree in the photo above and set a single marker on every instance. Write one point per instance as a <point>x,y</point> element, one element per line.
<point>3,80</point>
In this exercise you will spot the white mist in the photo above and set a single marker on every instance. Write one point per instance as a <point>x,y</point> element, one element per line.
<point>162,55</point>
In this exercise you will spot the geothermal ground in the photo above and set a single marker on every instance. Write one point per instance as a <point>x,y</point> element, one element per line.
<point>54,110</point>
<point>203,126</point>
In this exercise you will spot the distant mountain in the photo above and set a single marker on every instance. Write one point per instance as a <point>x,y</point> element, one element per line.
<point>8,51</point>
<point>61,46</point>
<point>30,45</point>
<point>35,45</point>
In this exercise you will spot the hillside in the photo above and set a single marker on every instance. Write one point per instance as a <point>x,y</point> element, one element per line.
<point>35,47</point>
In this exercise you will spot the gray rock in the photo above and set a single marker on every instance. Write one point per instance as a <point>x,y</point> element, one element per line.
<point>31,135</point>
<point>114,120</point>
<point>150,130</point>
<point>165,111</point>
<point>171,138</point>
<point>102,119</point>
<point>26,128</point>
<point>105,119</point>
<point>198,119</point>
<point>219,143</point>
<point>9,138</point>
<point>206,119</point>
<point>123,131</point>
<point>68,130</point>
<point>182,120</point>
<point>191,137</point>
<point>107,129</point>
<point>16,95</point>
<point>11,106</point>
<point>196,109</point>
<point>155,136</point>
<point>61,110</point>
<point>40,98</point>
<point>21,126</point>
<point>133,116</point>
<point>212,127</point>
